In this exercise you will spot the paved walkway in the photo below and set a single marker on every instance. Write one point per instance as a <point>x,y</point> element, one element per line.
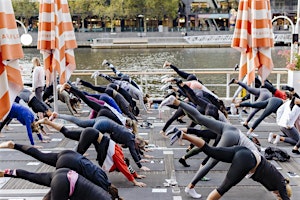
<point>165,161</point>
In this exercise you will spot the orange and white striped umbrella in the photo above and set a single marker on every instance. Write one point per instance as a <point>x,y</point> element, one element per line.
<point>10,51</point>
<point>56,39</point>
<point>253,37</point>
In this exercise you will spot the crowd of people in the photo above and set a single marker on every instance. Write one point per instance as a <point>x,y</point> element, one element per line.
<point>113,124</point>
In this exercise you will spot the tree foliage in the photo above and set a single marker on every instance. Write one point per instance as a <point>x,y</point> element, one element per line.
<point>25,9</point>
<point>108,9</point>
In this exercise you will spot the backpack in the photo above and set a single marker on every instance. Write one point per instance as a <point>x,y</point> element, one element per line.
<point>274,153</point>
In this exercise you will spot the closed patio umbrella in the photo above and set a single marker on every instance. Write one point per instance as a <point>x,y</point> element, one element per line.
<point>56,41</point>
<point>253,37</point>
<point>10,51</point>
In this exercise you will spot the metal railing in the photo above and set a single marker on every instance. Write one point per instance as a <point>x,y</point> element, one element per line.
<point>227,39</point>
<point>216,79</point>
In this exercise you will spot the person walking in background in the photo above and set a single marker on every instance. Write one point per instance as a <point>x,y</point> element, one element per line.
<point>38,78</point>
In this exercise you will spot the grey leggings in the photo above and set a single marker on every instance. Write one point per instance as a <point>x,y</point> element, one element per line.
<point>270,105</point>
<point>292,136</point>
<point>261,93</point>
<point>230,137</point>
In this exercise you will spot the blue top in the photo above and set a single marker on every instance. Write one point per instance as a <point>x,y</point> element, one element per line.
<point>24,116</point>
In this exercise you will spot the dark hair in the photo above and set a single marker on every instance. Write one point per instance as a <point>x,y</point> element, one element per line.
<point>113,191</point>
<point>191,78</point>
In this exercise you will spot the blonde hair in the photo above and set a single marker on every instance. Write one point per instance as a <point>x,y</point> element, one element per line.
<point>36,61</point>
<point>132,124</point>
<point>288,187</point>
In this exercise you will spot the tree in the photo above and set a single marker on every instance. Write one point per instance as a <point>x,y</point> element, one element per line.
<point>82,7</point>
<point>25,9</point>
<point>152,9</point>
<point>112,10</point>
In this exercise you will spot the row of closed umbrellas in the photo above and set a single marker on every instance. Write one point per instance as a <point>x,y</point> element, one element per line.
<point>253,37</point>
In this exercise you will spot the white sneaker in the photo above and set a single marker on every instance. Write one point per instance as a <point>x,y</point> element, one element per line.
<point>277,139</point>
<point>77,82</point>
<point>270,137</point>
<point>192,192</point>
<point>251,134</point>
<point>164,87</point>
<point>104,62</point>
<point>168,101</point>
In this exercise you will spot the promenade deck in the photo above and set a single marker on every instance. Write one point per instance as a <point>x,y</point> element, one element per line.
<point>166,160</point>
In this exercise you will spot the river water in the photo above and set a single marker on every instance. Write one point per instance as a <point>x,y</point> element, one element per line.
<point>151,59</point>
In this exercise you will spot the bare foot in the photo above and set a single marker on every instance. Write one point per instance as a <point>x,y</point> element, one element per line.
<point>43,121</point>
<point>8,145</point>
<point>181,143</point>
<point>163,134</point>
<point>53,116</point>
<point>1,173</point>
<point>1,135</point>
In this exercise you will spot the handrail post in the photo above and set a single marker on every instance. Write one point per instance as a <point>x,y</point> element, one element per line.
<point>278,77</point>
<point>227,86</point>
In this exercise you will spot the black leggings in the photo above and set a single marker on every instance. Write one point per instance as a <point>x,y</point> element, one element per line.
<point>183,74</point>
<point>37,105</point>
<point>102,110</point>
<point>60,185</point>
<point>242,161</point>
<point>69,159</point>
<point>179,112</point>
<point>100,88</point>
<point>210,109</point>
<point>270,105</point>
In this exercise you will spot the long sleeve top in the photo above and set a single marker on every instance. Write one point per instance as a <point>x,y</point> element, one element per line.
<point>287,117</point>
<point>24,116</point>
<point>120,135</point>
<point>38,77</point>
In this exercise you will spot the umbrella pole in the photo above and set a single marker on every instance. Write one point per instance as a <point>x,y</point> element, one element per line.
<point>55,96</point>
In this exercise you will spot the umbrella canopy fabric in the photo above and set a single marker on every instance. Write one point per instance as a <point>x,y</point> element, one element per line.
<point>56,39</point>
<point>10,51</point>
<point>254,38</point>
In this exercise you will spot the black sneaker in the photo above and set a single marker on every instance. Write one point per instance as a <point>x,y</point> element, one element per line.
<point>175,137</point>
<point>246,126</point>
<point>296,151</point>
<point>183,162</point>
<point>231,81</point>
<point>236,67</point>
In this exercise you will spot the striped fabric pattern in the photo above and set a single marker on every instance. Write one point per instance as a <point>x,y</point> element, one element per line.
<point>253,37</point>
<point>10,51</point>
<point>56,39</point>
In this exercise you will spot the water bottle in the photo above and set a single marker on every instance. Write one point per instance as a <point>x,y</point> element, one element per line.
<point>173,181</point>
<point>232,109</point>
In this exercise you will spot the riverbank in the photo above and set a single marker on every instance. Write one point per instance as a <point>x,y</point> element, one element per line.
<point>137,40</point>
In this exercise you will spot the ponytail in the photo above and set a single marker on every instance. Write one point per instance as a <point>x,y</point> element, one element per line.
<point>113,191</point>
